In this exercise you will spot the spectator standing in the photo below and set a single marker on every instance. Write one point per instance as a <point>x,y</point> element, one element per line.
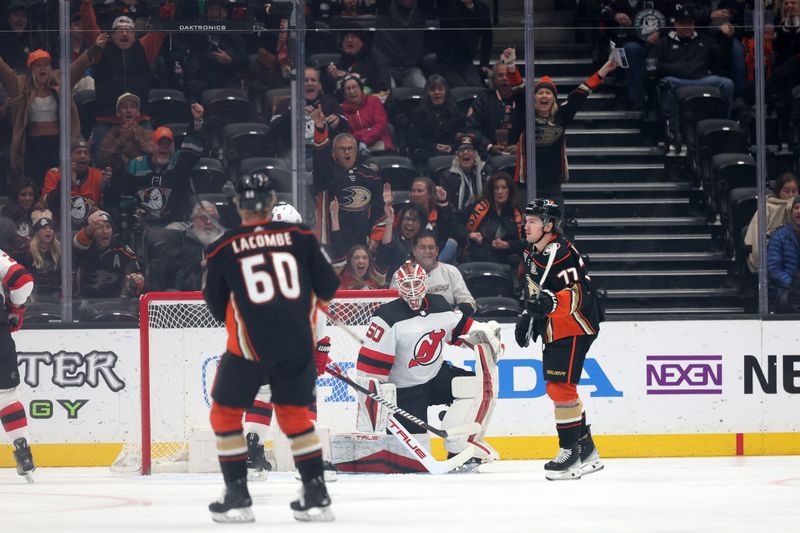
<point>552,120</point>
<point>401,40</point>
<point>34,107</point>
<point>87,185</point>
<point>366,117</point>
<point>494,225</point>
<point>107,267</point>
<point>43,258</point>
<point>466,30</point>
<point>468,173</point>
<point>779,208</point>
<point>355,186</point>
<point>123,66</point>
<point>19,210</point>
<point>436,123</point>
<point>783,262</point>
<point>497,117</point>
<point>128,139</point>
<point>357,58</point>
<point>160,180</point>
<point>178,263</point>
<point>359,272</point>
<point>395,246</point>
<point>686,58</point>
<point>443,279</point>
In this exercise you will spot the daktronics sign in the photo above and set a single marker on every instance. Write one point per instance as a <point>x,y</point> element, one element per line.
<point>684,374</point>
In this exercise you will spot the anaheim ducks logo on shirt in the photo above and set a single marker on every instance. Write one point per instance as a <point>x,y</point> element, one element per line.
<point>428,348</point>
<point>547,134</point>
<point>355,198</point>
<point>648,21</point>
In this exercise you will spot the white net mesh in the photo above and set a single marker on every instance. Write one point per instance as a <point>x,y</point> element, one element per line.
<point>185,343</point>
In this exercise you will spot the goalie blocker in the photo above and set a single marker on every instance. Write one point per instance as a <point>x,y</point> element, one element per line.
<point>402,355</point>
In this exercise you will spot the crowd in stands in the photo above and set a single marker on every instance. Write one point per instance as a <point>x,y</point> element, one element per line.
<point>415,138</point>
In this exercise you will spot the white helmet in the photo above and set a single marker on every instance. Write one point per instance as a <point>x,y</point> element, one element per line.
<point>412,284</point>
<point>284,212</point>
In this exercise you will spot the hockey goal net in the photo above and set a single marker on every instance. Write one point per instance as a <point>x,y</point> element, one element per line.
<point>181,344</point>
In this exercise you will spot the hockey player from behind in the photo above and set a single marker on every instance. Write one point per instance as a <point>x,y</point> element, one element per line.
<point>17,286</point>
<point>565,311</point>
<point>263,280</point>
<point>402,349</point>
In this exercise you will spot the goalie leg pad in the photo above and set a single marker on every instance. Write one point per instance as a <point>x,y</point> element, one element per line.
<point>474,402</point>
<point>373,417</point>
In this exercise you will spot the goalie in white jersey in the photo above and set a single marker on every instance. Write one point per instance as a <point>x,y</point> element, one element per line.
<point>403,350</point>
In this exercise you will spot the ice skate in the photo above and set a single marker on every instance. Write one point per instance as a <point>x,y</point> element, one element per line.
<point>234,506</point>
<point>258,467</point>
<point>314,504</point>
<point>566,465</point>
<point>24,459</point>
<point>590,458</point>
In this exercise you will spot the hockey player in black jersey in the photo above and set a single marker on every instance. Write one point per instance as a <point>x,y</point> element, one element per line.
<point>263,281</point>
<point>402,351</point>
<point>561,306</point>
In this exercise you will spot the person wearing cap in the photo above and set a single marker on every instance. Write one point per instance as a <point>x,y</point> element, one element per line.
<point>497,117</point>
<point>107,268</point>
<point>159,180</point>
<point>358,58</point>
<point>88,183</point>
<point>123,66</point>
<point>552,120</point>
<point>128,138</point>
<point>17,40</point>
<point>34,98</point>
<point>687,58</point>
<point>43,258</point>
<point>468,173</point>
<point>783,263</point>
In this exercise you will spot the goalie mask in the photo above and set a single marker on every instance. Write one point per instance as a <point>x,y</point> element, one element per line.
<point>412,284</point>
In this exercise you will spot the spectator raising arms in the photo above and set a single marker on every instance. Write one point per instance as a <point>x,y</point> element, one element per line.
<point>436,123</point>
<point>359,272</point>
<point>34,107</point>
<point>19,210</point>
<point>779,207</point>
<point>494,225</point>
<point>366,117</point>
<point>395,246</point>
<point>552,120</point>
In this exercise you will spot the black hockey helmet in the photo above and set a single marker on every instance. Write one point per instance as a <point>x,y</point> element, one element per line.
<point>544,208</point>
<point>255,191</point>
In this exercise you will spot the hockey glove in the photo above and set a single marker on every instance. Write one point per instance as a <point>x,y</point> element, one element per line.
<point>15,317</point>
<point>521,331</point>
<point>543,304</point>
<point>321,358</point>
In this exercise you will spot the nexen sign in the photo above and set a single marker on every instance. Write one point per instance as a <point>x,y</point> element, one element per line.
<point>684,374</point>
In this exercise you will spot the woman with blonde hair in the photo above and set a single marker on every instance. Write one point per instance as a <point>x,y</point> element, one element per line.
<point>34,98</point>
<point>43,259</point>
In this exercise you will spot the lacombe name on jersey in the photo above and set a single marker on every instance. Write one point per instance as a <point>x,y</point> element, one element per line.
<point>261,240</point>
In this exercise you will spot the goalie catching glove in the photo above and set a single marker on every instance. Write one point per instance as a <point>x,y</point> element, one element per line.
<point>485,333</point>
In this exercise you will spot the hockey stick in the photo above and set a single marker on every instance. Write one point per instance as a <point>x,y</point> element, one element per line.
<point>467,429</point>
<point>550,252</point>
<point>423,456</point>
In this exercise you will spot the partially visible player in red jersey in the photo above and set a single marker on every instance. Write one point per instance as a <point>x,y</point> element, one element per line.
<point>264,280</point>
<point>561,306</point>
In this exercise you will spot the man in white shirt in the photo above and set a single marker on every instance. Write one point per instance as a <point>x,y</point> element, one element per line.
<point>443,279</point>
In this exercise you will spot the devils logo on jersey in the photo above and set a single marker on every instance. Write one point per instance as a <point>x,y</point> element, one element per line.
<point>428,348</point>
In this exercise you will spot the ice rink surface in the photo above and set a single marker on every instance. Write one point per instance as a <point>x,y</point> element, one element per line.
<point>725,494</point>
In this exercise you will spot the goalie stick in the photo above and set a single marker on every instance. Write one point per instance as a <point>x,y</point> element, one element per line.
<point>423,456</point>
<point>467,429</point>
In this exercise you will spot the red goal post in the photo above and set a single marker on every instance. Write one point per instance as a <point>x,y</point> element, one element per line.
<point>180,345</point>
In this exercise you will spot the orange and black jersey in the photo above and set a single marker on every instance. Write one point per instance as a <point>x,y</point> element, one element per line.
<point>577,312</point>
<point>263,281</point>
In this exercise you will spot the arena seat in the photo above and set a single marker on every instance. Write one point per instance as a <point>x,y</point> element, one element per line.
<point>437,164</point>
<point>504,163</point>
<point>465,95</point>
<point>250,164</point>
<point>167,105</point>
<point>272,98</point>
<point>321,61</point>
<point>716,136</point>
<point>398,170</point>
<point>698,103</point>
<point>497,307</point>
<point>794,138</point>
<point>730,171</point>
<point>209,175</point>
<point>487,279</point>
<point>245,139</point>
<point>226,106</point>
<point>742,204</point>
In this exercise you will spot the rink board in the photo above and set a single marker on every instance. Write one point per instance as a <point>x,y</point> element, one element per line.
<point>650,389</point>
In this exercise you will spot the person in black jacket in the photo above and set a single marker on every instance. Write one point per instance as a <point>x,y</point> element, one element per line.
<point>436,122</point>
<point>684,58</point>
<point>358,58</point>
<point>400,39</point>
<point>16,38</point>
<point>465,26</point>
